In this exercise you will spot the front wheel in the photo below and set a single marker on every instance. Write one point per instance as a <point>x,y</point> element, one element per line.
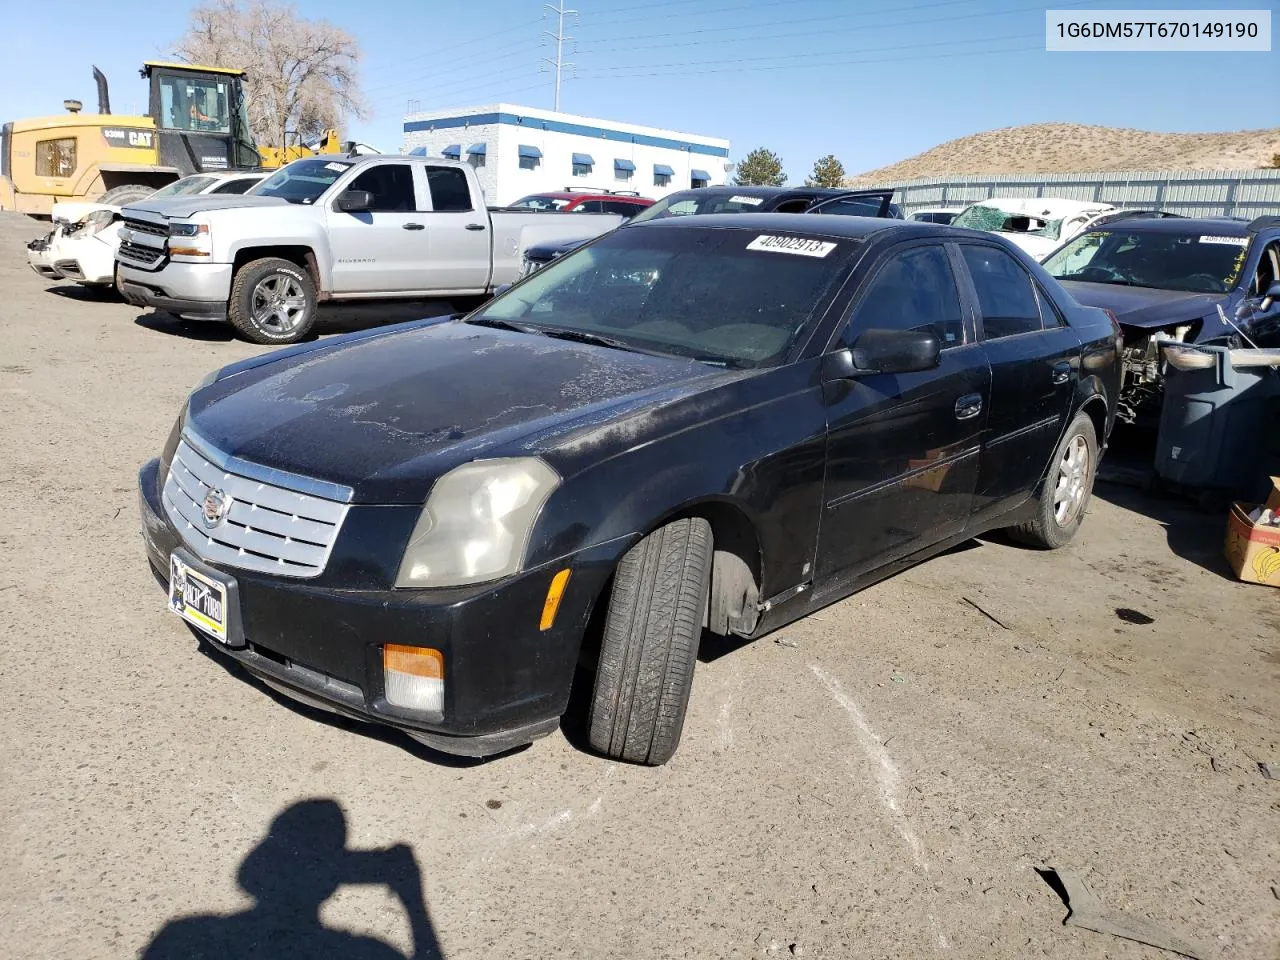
<point>273,301</point>
<point>650,644</point>
<point>1061,504</point>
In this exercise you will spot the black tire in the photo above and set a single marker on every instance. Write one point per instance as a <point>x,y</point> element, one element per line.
<point>273,301</point>
<point>1052,527</point>
<point>126,194</point>
<point>650,643</point>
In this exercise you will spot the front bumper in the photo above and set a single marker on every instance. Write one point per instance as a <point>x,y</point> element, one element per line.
<point>194,291</point>
<point>40,257</point>
<point>506,681</point>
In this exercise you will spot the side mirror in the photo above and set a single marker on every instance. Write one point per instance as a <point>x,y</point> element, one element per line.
<point>1270,297</point>
<point>895,351</point>
<point>355,201</point>
<point>1246,307</point>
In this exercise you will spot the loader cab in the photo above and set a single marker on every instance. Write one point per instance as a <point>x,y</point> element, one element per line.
<point>201,121</point>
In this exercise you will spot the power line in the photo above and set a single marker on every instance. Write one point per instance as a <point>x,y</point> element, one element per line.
<point>807,66</point>
<point>771,35</point>
<point>811,56</point>
<point>749,7</point>
<point>486,38</point>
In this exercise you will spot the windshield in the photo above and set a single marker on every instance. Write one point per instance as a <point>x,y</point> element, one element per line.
<point>1192,262</point>
<point>981,217</point>
<point>183,188</point>
<point>735,297</point>
<point>302,181</point>
<point>541,203</point>
<point>195,103</point>
<point>684,204</point>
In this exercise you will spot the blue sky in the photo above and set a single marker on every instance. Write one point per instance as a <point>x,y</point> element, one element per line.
<point>872,81</point>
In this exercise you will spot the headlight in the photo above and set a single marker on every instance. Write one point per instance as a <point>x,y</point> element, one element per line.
<point>96,222</point>
<point>476,523</point>
<point>190,240</point>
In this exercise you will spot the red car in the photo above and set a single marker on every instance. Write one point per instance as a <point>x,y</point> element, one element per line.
<point>625,204</point>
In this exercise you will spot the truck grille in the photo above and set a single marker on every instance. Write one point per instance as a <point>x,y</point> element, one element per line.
<point>145,226</point>
<point>146,255</point>
<point>267,527</point>
<point>143,253</point>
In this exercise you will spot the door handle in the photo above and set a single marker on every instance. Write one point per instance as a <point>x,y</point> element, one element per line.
<point>1061,371</point>
<point>475,226</point>
<point>414,226</point>
<point>969,406</point>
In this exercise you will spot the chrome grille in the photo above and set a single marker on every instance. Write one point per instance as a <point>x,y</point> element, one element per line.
<point>267,527</point>
<point>147,255</point>
<point>145,226</point>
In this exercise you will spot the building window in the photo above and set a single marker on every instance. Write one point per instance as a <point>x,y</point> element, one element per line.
<point>475,159</point>
<point>623,176</point>
<point>582,164</point>
<point>530,157</point>
<point>662,179</point>
<point>699,179</point>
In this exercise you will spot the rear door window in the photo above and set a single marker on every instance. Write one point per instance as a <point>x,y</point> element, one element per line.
<point>238,185</point>
<point>449,190</point>
<point>1006,294</point>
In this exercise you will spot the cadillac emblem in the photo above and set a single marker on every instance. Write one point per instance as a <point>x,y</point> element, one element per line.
<point>216,505</point>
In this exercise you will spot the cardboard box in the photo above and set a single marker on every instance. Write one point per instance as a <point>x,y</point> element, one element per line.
<point>1253,549</point>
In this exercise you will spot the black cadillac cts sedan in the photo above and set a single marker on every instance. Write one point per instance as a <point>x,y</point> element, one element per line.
<point>711,423</point>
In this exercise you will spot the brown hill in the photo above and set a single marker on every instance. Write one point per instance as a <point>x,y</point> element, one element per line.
<point>1075,147</point>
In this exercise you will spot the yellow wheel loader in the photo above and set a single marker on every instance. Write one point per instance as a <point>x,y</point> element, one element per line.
<point>196,122</point>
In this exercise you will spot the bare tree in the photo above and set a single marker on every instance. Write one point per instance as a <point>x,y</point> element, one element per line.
<point>302,74</point>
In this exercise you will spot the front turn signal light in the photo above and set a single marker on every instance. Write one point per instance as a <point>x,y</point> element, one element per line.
<point>552,604</point>
<point>413,677</point>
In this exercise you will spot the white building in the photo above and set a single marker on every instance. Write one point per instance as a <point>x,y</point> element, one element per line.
<point>521,150</point>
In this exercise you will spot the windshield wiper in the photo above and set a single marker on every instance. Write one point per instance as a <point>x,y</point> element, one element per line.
<point>504,325</point>
<point>582,336</point>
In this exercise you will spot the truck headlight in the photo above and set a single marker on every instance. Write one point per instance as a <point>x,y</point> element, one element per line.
<point>190,240</point>
<point>475,525</point>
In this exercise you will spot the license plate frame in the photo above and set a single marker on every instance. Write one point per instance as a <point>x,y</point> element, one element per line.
<point>202,600</point>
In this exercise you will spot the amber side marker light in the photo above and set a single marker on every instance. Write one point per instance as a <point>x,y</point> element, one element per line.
<point>554,593</point>
<point>414,677</point>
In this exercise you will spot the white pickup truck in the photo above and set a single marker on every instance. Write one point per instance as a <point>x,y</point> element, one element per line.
<point>329,229</point>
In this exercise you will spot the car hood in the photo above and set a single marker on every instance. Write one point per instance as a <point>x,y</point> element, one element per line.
<point>72,211</point>
<point>1145,308</point>
<point>387,414</point>
<point>552,249</point>
<point>181,207</point>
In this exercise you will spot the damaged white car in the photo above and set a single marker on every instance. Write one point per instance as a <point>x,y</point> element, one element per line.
<point>82,244</point>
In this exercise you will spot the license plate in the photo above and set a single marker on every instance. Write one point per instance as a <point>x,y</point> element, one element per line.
<point>198,599</point>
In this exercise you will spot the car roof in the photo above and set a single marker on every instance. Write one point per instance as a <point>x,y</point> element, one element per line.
<point>819,225</point>
<point>570,195</point>
<point>1213,226</point>
<point>766,193</point>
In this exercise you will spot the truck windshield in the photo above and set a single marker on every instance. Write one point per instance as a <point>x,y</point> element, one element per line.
<point>303,181</point>
<point>1164,260</point>
<point>735,297</point>
<point>195,103</point>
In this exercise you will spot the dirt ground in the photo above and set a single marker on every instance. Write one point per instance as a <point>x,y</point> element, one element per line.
<point>881,780</point>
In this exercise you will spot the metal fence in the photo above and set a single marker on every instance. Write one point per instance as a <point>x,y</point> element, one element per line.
<point>1191,193</point>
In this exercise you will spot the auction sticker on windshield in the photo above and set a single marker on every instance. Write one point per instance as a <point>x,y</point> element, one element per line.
<point>796,245</point>
<point>198,599</point>
<point>1227,241</point>
<point>749,201</point>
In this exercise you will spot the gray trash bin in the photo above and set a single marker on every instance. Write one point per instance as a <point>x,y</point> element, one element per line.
<point>1220,421</point>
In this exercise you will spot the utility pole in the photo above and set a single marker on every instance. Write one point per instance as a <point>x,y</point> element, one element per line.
<point>559,37</point>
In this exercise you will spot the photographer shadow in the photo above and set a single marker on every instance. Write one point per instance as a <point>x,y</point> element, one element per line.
<point>290,874</point>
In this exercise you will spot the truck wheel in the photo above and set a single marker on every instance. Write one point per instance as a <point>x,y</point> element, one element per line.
<point>650,643</point>
<point>272,301</point>
<point>1061,503</point>
<point>126,194</point>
